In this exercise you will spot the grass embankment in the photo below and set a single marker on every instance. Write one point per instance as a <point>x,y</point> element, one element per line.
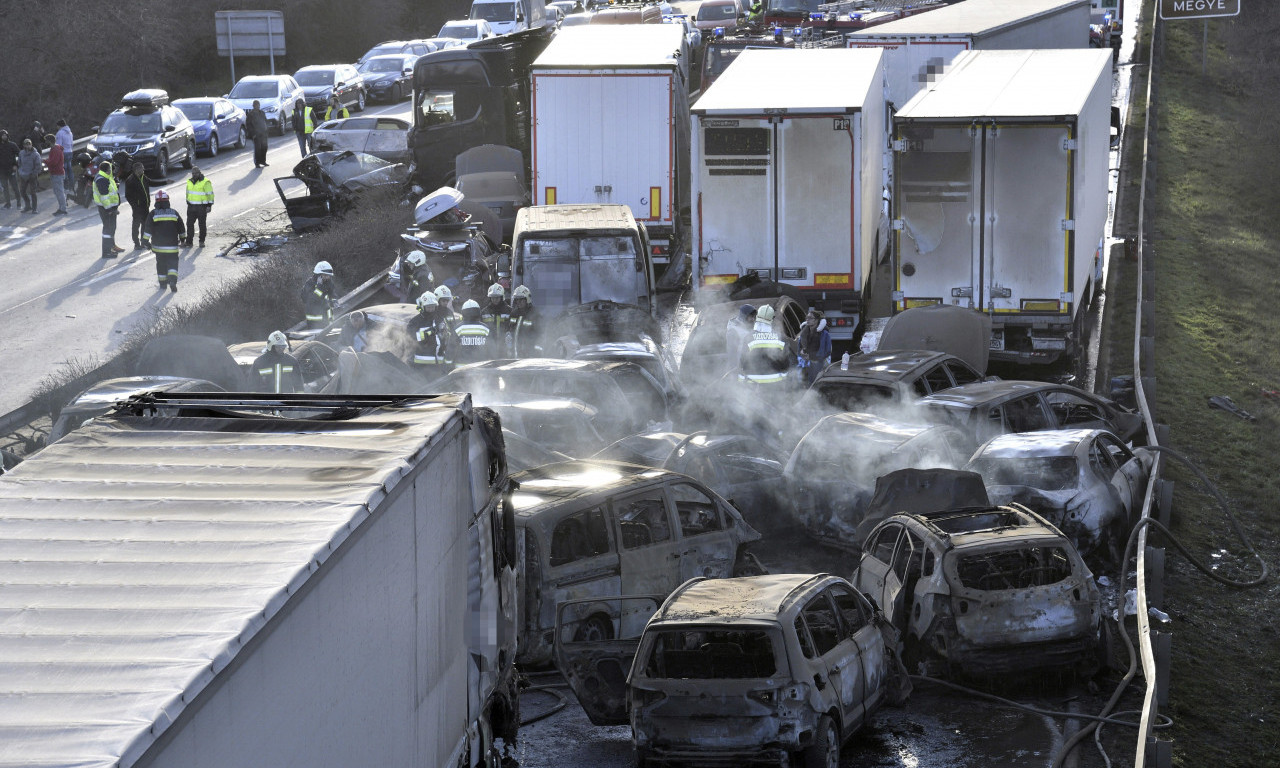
<point>1215,248</point>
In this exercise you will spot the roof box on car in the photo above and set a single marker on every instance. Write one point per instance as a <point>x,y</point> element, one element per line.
<point>145,98</point>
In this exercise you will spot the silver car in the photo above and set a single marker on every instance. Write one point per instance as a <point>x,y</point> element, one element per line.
<point>384,137</point>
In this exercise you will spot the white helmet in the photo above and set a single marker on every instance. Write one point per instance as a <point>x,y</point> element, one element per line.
<point>324,268</point>
<point>427,300</point>
<point>415,258</point>
<point>522,292</point>
<point>495,291</point>
<point>470,304</point>
<point>765,314</point>
<point>443,293</point>
<point>277,339</point>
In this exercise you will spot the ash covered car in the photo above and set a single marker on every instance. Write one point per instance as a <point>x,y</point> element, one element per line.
<point>886,380</point>
<point>771,670</point>
<point>831,474</point>
<point>1084,481</point>
<point>331,182</point>
<point>588,529</point>
<point>558,424</point>
<point>522,453</point>
<point>318,362</point>
<point>983,591</point>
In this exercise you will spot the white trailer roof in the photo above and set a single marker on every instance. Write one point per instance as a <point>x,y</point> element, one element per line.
<point>1011,84</point>
<point>971,17</point>
<point>139,555</point>
<point>799,80</point>
<point>613,46</point>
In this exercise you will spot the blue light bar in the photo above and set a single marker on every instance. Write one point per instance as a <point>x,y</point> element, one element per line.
<point>815,17</point>
<point>718,31</point>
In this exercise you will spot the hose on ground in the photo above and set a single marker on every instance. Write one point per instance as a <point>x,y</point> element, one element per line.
<point>549,688</point>
<point>1025,707</point>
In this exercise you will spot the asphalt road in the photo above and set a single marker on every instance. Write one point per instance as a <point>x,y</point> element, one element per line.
<point>62,302</point>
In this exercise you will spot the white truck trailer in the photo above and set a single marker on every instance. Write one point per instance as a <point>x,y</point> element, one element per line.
<point>920,48</point>
<point>250,580</point>
<point>788,147</point>
<point>1001,194</point>
<point>610,124</point>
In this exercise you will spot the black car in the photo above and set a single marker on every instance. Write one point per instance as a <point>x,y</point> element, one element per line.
<point>390,77</point>
<point>320,81</point>
<point>150,130</point>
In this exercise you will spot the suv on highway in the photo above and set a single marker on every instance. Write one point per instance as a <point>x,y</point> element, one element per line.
<point>275,93</point>
<point>320,81</point>
<point>150,130</point>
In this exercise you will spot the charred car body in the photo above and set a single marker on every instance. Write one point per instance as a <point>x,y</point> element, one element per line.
<point>333,181</point>
<point>603,529</point>
<point>983,591</point>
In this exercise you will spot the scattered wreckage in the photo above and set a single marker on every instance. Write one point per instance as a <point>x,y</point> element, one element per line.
<point>588,529</point>
<point>333,181</point>
<point>101,397</point>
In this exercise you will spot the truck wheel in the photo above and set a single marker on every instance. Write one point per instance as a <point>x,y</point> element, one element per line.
<point>824,752</point>
<point>594,629</point>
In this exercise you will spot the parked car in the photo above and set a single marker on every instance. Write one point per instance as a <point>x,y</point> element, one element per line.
<point>575,19</point>
<point>768,670</point>
<point>692,35</point>
<point>467,30</point>
<point>1084,481</point>
<point>333,181</point>
<point>383,137</point>
<point>217,123</point>
<point>567,7</point>
<point>983,592</point>
<point>389,77</point>
<point>831,474</point>
<point>320,82</point>
<point>99,398</point>
<point>985,409</point>
<point>886,380</point>
<point>277,95</point>
<point>150,130</point>
<point>586,528</point>
<point>717,13</point>
<point>402,48</point>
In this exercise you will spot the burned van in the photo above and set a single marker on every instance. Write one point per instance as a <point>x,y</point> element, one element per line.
<point>602,529</point>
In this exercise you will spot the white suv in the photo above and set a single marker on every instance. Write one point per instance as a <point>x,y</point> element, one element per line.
<point>275,93</point>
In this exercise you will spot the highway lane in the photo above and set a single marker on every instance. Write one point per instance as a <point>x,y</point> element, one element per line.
<point>61,302</point>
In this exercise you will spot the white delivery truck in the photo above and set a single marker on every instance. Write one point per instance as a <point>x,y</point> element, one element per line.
<point>610,124</point>
<point>1001,194</point>
<point>252,580</point>
<point>920,48</point>
<point>788,147</point>
<point>507,16</point>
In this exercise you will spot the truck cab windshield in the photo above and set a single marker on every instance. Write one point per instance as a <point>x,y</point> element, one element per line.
<point>564,272</point>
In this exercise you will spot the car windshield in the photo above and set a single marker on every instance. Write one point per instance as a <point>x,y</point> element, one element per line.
<point>124,122</point>
<point>352,164</point>
<point>197,111</point>
<point>709,12</point>
<point>1019,568</point>
<point>459,30</point>
<point>382,65</point>
<point>256,89</point>
<point>494,11</point>
<point>850,396</point>
<point>792,7</point>
<point>712,654</point>
<point>1048,473</point>
<point>383,49</point>
<point>315,77</point>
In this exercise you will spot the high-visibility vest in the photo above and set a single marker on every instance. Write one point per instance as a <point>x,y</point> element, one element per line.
<point>765,340</point>
<point>472,334</point>
<point>342,112</point>
<point>199,192</point>
<point>275,375</point>
<point>434,351</point>
<point>308,120</point>
<point>112,198</point>
<point>763,378</point>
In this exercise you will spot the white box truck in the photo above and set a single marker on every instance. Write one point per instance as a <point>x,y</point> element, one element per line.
<point>920,48</point>
<point>1001,194</point>
<point>252,580</point>
<point>788,148</point>
<point>610,124</point>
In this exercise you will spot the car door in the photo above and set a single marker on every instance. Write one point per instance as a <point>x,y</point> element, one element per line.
<point>1127,473</point>
<point>649,551</point>
<point>900,581</point>
<point>708,547</point>
<point>582,561</point>
<point>838,664</point>
<point>389,139</point>
<point>747,476</point>
<point>596,670</point>
<point>857,613</point>
<point>875,567</point>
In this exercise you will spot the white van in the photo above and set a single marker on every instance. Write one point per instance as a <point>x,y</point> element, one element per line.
<point>507,16</point>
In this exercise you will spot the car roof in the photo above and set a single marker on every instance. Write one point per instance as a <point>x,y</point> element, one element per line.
<point>554,484</point>
<point>979,392</point>
<point>251,78</point>
<point>893,365</point>
<point>752,598</point>
<point>545,364</point>
<point>960,528</point>
<point>321,66</point>
<point>1051,442</point>
<point>865,428</point>
<point>197,100</point>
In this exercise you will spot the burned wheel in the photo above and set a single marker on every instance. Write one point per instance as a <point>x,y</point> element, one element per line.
<point>824,751</point>
<point>594,629</point>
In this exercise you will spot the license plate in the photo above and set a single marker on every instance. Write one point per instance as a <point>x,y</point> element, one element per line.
<point>997,340</point>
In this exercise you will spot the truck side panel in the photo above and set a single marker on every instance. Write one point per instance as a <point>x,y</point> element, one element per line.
<point>735,204</point>
<point>912,63</point>
<point>370,664</point>
<point>1068,28</point>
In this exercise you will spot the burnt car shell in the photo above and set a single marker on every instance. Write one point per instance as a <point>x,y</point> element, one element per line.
<point>333,181</point>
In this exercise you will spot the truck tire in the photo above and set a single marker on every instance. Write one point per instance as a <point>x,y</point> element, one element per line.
<point>824,750</point>
<point>595,628</point>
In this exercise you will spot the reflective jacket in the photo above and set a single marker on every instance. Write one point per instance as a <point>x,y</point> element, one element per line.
<point>199,192</point>
<point>766,359</point>
<point>342,112</point>
<point>163,230</point>
<point>524,336</point>
<point>278,372</point>
<point>308,121</point>
<point>496,315</point>
<point>105,192</point>
<point>473,342</point>
<point>431,346</point>
<point>317,299</point>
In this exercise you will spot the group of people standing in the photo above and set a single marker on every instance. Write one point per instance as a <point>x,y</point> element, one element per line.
<point>20,167</point>
<point>763,358</point>
<point>444,338</point>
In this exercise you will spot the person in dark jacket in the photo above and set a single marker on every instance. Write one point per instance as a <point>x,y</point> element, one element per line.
<point>275,370</point>
<point>164,232</point>
<point>137,192</point>
<point>473,341</point>
<point>814,343</point>
<point>318,296</point>
<point>415,276</point>
<point>37,134</point>
<point>496,313</point>
<point>29,164</point>
<point>256,122</point>
<point>8,167</point>
<point>304,124</point>
<point>524,337</point>
<point>430,336</point>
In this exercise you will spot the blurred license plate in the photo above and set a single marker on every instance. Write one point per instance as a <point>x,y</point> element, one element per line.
<point>997,340</point>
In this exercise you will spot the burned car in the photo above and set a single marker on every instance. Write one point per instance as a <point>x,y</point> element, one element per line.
<point>588,529</point>
<point>558,424</point>
<point>832,472</point>
<point>522,453</point>
<point>759,670</point>
<point>1084,481</point>
<point>983,591</point>
<point>318,362</point>
<point>885,380</point>
<point>332,182</point>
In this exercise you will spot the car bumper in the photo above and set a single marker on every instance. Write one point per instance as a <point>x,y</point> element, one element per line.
<point>991,661</point>
<point>382,91</point>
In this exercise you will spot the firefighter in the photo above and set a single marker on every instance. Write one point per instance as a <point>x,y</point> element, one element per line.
<point>473,340</point>
<point>523,336</point>
<point>317,297</point>
<point>163,232</point>
<point>766,360</point>
<point>737,333</point>
<point>276,370</point>
<point>496,314</point>
<point>430,339</point>
<point>415,277</point>
<point>446,313</point>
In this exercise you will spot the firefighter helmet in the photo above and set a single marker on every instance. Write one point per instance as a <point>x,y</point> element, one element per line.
<point>765,314</point>
<point>324,268</point>
<point>443,293</point>
<point>522,292</point>
<point>415,258</point>
<point>495,291</point>
<point>277,339</point>
<point>470,304</point>
<point>427,300</point>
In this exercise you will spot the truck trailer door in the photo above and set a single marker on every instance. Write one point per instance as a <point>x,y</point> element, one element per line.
<point>816,198</point>
<point>736,225</point>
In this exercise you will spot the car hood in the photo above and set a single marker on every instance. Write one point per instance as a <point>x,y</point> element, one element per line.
<point>247,104</point>
<point>959,331</point>
<point>316,90</point>
<point>122,138</point>
<point>349,176</point>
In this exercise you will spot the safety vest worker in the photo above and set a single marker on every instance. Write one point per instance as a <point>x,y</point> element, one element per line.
<point>765,360</point>
<point>474,338</point>
<point>275,370</point>
<point>335,110</point>
<point>430,352</point>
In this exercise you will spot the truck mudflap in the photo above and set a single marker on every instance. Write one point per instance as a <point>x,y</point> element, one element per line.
<point>596,670</point>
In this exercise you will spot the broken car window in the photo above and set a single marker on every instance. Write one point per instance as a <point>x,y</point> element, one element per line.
<point>824,627</point>
<point>696,510</point>
<point>882,548</point>
<point>962,373</point>
<point>937,378</point>
<point>1019,568</point>
<point>642,521</point>
<point>1073,410</point>
<point>579,536</point>
<point>711,654</point>
<point>1024,414</point>
<point>852,610</point>
<point>1048,473</point>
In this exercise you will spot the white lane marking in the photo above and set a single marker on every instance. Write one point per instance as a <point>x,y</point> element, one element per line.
<point>81,282</point>
<point>117,269</point>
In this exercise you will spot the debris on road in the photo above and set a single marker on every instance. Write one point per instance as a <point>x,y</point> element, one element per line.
<point>1224,403</point>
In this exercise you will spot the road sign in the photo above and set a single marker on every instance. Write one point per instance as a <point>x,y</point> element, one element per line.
<point>1173,10</point>
<point>249,33</point>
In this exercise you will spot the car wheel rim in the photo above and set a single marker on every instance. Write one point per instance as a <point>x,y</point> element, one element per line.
<point>213,145</point>
<point>833,747</point>
<point>241,138</point>
<point>162,167</point>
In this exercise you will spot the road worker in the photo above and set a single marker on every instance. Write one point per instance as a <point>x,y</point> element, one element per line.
<point>106,196</point>
<point>275,370</point>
